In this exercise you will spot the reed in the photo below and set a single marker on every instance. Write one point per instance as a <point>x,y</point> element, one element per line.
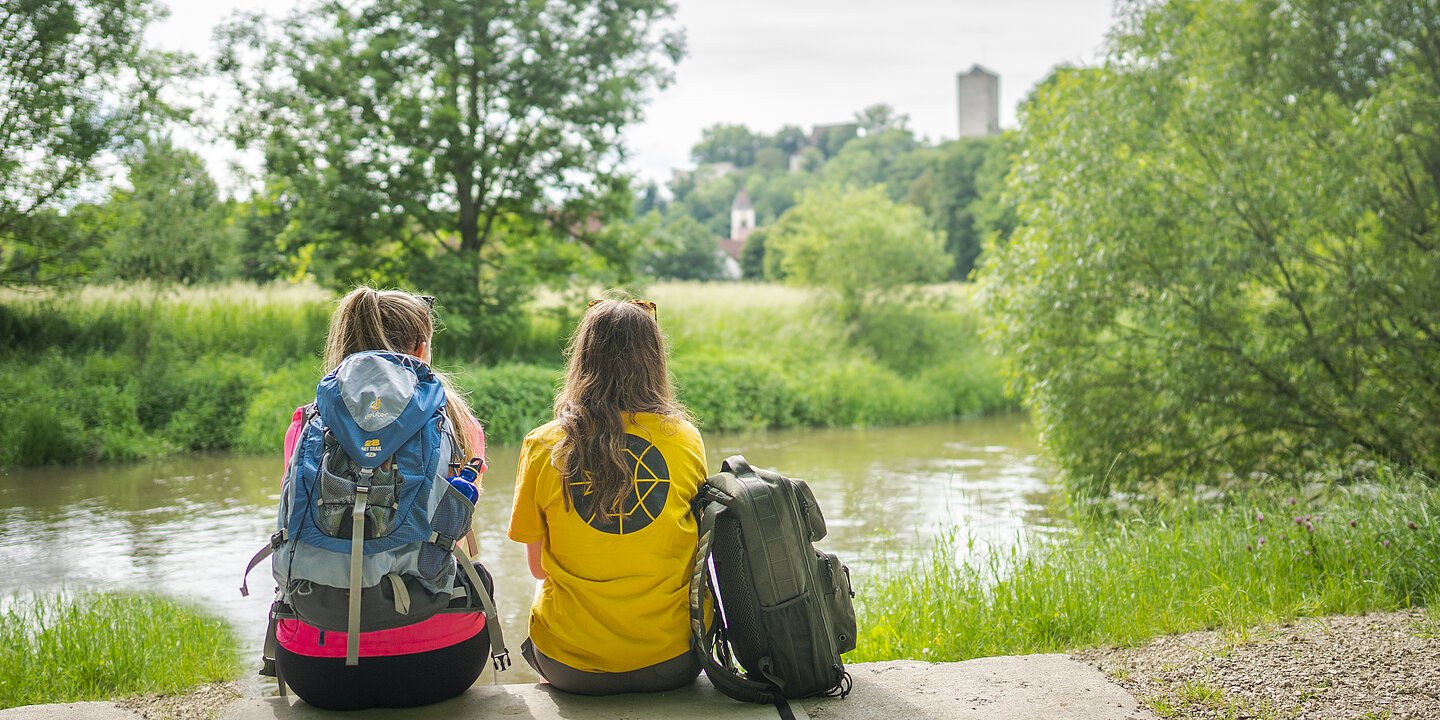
<point>1177,567</point>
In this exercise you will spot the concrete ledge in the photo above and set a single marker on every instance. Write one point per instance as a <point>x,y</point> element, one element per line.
<point>1020,687</point>
<point>538,701</point>
<point>1052,687</point>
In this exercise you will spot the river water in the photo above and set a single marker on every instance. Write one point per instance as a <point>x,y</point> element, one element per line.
<point>186,526</point>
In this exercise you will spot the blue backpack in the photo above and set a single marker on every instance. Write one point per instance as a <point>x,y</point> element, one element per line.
<point>368,532</point>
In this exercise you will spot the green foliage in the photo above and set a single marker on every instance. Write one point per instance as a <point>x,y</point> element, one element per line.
<point>510,400</point>
<point>952,197</point>
<point>408,146</point>
<point>1175,568</point>
<point>683,249</point>
<point>78,84</point>
<point>734,144</point>
<point>120,376</point>
<point>858,245</point>
<point>752,256</point>
<point>1226,262</point>
<point>170,226</point>
<point>103,646</point>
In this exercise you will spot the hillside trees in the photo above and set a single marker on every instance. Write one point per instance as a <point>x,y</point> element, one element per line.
<point>448,144</point>
<point>1225,263</point>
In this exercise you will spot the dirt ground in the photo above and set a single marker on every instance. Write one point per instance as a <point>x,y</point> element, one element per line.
<point>202,703</point>
<point>1383,666</point>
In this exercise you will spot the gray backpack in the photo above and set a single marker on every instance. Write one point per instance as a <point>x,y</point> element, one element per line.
<point>782,609</point>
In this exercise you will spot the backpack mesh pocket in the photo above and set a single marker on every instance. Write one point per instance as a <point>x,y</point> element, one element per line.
<point>737,595</point>
<point>337,499</point>
<point>451,519</point>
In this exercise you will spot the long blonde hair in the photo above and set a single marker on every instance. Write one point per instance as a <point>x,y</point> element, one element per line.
<point>395,321</point>
<point>616,365</point>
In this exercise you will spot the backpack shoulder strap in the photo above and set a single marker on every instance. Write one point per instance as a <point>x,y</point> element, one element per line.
<point>725,679</point>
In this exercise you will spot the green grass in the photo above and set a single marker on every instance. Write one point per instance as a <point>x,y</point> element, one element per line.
<point>68,648</point>
<point>121,374</point>
<point>1175,568</point>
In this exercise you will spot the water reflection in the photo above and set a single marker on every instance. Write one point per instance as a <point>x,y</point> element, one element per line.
<point>186,526</point>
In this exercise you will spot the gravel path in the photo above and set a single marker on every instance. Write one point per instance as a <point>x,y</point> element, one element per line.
<point>1383,666</point>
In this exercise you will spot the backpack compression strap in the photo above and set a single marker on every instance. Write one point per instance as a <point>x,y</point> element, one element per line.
<point>498,652</point>
<point>725,679</point>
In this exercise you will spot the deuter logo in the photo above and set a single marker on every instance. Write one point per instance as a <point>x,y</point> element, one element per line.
<point>375,406</point>
<point>372,447</point>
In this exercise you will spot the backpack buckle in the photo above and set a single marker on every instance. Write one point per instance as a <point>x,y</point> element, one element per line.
<point>445,542</point>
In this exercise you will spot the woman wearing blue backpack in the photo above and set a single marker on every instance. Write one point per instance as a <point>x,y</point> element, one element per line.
<point>415,664</point>
<point>602,504</point>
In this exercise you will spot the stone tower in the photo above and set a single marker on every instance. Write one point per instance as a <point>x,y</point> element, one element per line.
<point>742,216</point>
<point>979,96</point>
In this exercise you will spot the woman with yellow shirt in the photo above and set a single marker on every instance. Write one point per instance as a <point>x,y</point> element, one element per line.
<point>602,504</point>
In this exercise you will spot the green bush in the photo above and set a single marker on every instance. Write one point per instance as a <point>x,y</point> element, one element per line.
<point>124,376</point>
<point>510,400</point>
<point>1227,262</point>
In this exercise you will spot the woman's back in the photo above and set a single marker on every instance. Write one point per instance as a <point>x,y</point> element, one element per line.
<point>615,596</point>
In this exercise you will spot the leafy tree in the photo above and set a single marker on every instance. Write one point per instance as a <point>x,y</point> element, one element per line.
<point>752,255</point>
<point>880,118</point>
<point>1226,259</point>
<point>442,141</point>
<point>683,249</point>
<point>789,139</point>
<point>770,160</point>
<point>170,226</point>
<point>723,142</point>
<point>857,244</point>
<point>951,193</point>
<point>892,158</point>
<point>79,84</point>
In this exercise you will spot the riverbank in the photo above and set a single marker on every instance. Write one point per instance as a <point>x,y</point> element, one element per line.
<point>126,374</point>
<point>1125,575</point>
<point>69,647</point>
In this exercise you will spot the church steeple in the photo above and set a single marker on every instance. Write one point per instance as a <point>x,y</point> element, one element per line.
<point>742,216</point>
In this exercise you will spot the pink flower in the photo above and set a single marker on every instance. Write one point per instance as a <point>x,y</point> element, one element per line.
<point>1260,517</point>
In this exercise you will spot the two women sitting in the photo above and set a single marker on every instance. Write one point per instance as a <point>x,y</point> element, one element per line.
<point>602,505</point>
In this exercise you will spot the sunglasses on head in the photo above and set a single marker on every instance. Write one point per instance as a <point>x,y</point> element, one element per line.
<point>647,305</point>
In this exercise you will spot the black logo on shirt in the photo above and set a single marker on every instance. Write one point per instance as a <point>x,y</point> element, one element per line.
<point>652,487</point>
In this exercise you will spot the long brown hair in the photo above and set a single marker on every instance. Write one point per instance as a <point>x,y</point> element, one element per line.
<point>615,367</point>
<point>394,321</point>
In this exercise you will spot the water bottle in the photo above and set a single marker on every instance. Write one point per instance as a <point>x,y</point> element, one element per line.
<point>465,483</point>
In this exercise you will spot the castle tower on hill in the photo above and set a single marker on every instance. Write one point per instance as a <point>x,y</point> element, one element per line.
<point>978,93</point>
<point>742,217</point>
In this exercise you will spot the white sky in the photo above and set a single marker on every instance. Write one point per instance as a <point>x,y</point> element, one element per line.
<point>767,63</point>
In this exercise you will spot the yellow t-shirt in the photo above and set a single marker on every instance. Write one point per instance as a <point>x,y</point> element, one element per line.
<point>616,598</point>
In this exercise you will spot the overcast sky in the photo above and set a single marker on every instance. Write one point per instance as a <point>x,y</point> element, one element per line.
<point>767,63</point>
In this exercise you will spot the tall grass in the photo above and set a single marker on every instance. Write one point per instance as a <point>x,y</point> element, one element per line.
<point>1179,567</point>
<point>118,374</point>
<point>67,648</point>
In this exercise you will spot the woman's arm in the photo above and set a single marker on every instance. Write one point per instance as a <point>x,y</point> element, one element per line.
<point>532,555</point>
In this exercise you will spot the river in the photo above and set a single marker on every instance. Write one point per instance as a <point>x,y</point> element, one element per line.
<point>186,526</point>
